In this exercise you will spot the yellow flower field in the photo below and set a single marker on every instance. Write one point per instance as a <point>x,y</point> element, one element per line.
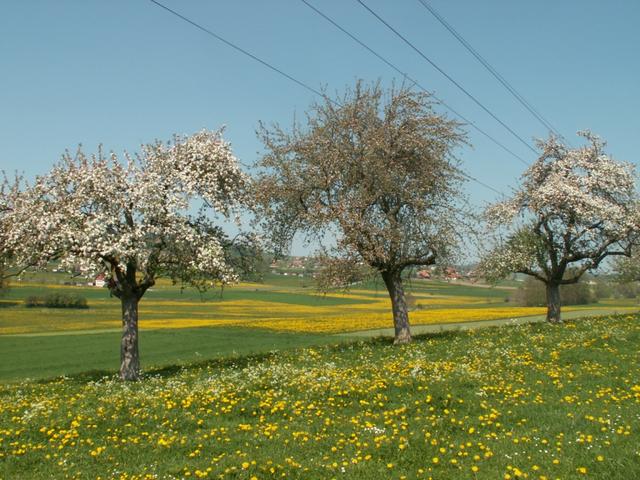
<point>351,322</point>
<point>254,305</point>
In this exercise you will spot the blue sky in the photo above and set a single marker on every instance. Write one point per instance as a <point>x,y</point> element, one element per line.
<point>126,72</point>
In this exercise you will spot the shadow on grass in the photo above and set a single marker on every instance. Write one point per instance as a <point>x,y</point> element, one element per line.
<point>82,377</point>
<point>243,360</point>
<point>231,361</point>
<point>239,361</point>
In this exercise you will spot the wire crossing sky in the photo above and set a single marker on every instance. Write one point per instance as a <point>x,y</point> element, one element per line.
<point>412,80</point>
<point>448,77</point>
<point>302,84</point>
<point>510,88</point>
<point>123,73</point>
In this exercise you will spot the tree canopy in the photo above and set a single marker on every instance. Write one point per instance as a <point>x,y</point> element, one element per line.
<point>575,207</point>
<point>8,190</point>
<point>374,168</point>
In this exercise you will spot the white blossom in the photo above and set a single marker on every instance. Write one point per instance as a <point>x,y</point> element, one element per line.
<point>575,208</point>
<point>100,214</point>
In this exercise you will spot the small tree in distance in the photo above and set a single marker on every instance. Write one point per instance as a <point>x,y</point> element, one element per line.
<point>377,172</point>
<point>130,221</point>
<point>532,293</point>
<point>627,269</point>
<point>576,208</point>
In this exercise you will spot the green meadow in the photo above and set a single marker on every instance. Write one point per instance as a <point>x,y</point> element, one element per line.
<point>180,326</point>
<point>533,401</point>
<point>54,342</point>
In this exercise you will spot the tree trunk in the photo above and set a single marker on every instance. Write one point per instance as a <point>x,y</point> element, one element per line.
<point>393,282</point>
<point>553,303</point>
<point>129,354</point>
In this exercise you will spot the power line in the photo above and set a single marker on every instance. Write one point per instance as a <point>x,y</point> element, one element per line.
<point>415,82</point>
<point>491,69</point>
<point>485,185</point>
<point>449,77</point>
<point>271,67</point>
<point>239,49</point>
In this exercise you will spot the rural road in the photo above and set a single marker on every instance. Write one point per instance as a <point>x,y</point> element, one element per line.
<point>444,327</point>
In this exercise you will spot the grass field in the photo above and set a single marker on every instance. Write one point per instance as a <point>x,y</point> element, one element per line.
<point>98,354</point>
<point>272,305</point>
<point>179,327</point>
<point>533,401</point>
<point>280,304</point>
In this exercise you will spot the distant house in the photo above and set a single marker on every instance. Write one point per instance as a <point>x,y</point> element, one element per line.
<point>297,262</point>
<point>473,275</point>
<point>100,280</point>
<point>424,274</point>
<point>451,273</point>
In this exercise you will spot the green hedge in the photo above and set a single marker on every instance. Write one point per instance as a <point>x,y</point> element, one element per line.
<point>57,300</point>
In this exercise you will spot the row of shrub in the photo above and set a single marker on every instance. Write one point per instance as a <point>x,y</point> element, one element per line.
<point>57,300</point>
<point>533,293</point>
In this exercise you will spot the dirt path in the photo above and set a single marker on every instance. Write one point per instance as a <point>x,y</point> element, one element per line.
<point>443,327</point>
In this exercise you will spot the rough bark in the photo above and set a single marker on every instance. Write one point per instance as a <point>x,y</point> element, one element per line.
<point>129,353</point>
<point>393,282</point>
<point>553,303</point>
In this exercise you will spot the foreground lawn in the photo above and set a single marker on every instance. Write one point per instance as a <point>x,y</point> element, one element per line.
<point>534,401</point>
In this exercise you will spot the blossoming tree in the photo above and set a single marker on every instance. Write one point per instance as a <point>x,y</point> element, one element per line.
<point>575,208</point>
<point>377,172</point>
<point>4,248</point>
<point>130,220</point>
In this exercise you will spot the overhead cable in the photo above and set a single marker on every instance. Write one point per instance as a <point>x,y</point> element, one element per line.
<point>448,77</point>
<point>510,88</point>
<point>293,79</point>
<point>413,81</point>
